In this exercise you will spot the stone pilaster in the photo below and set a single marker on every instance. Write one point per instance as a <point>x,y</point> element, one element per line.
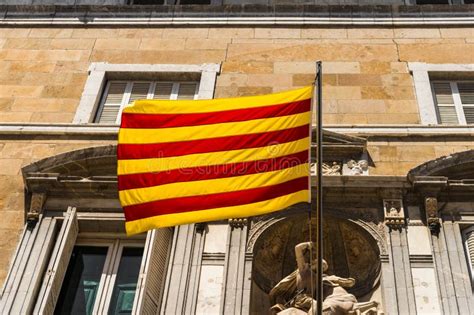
<point>399,259</point>
<point>235,269</point>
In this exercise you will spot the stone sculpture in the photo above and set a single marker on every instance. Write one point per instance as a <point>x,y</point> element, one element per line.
<point>294,293</point>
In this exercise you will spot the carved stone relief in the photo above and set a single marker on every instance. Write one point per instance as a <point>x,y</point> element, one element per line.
<point>36,207</point>
<point>432,219</point>
<point>333,168</point>
<point>394,213</point>
<point>349,250</point>
<point>356,167</point>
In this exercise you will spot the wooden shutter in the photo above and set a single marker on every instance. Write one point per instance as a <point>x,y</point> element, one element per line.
<point>187,91</point>
<point>163,90</point>
<point>445,103</point>
<point>469,246</point>
<point>466,93</point>
<point>139,91</point>
<point>58,263</point>
<point>153,272</point>
<point>113,100</point>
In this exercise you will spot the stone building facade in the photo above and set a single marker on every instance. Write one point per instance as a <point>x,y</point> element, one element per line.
<point>398,90</point>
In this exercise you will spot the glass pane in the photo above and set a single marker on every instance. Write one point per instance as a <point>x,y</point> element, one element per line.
<point>443,93</point>
<point>186,91</point>
<point>139,91</point>
<point>466,92</point>
<point>81,281</point>
<point>163,91</point>
<point>126,281</point>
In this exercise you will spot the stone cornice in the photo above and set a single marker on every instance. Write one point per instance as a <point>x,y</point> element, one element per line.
<point>288,15</point>
<point>110,131</point>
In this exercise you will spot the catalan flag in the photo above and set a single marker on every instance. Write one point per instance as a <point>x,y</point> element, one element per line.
<point>182,162</point>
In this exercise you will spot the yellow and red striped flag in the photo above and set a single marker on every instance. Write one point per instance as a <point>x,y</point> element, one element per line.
<point>182,162</point>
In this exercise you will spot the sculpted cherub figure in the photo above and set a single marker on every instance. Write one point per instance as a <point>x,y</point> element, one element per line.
<point>298,288</point>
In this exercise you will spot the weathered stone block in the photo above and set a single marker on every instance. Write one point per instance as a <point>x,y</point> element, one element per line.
<point>375,67</point>
<point>231,33</point>
<point>370,32</point>
<point>31,43</point>
<point>247,67</point>
<point>117,43</point>
<point>339,32</point>
<point>32,66</point>
<point>177,32</point>
<point>50,33</point>
<point>162,44</point>
<point>419,32</point>
<point>437,53</point>
<point>277,32</point>
<point>216,43</point>
<point>70,43</point>
<point>10,166</point>
<point>359,79</point>
<point>295,67</point>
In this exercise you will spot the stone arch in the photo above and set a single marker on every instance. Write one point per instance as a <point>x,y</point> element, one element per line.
<point>354,251</point>
<point>87,162</point>
<point>454,166</point>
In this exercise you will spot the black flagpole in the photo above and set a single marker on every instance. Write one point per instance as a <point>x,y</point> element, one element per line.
<point>319,188</point>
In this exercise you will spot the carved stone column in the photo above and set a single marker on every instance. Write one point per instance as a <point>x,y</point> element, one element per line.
<point>399,259</point>
<point>234,269</point>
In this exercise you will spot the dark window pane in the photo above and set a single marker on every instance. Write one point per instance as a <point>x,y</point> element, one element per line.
<point>147,2</point>
<point>432,1</point>
<point>81,281</point>
<point>194,1</point>
<point>126,281</point>
<point>469,1</point>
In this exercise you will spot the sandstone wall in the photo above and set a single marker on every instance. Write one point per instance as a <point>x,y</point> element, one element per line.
<point>366,81</point>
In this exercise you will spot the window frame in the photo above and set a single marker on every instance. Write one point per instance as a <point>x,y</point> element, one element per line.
<point>421,71</point>
<point>99,73</point>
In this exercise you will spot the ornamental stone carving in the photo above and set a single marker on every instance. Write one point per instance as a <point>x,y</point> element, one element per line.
<point>295,293</point>
<point>237,223</point>
<point>394,214</point>
<point>36,207</point>
<point>359,167</point>
<point>432,219</point>
<point>333,168</point>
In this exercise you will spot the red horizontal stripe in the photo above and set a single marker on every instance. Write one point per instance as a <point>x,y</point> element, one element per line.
<point>255,140</point>
<point>132,181</point>
<point>211,201</point>
<point>131,120</point>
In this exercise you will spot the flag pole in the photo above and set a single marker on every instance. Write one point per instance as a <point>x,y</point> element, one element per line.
<point>319,188</point>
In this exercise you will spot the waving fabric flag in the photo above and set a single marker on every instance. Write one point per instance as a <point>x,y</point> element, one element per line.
<point>182,162</point>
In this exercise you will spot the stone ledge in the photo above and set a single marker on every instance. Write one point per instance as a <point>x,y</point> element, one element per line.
<point>107,131</point>
<point>296,14</point>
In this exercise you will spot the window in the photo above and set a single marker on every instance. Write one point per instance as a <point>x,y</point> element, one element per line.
<point>109,87</point>
<point>75,265</point>
<point>432,2</point>
<point>118,94</point>
<point>101,278</point>
<point>454,101</point>
<point>169,2</point>
<point>468,236</point>
<point>444,92</point>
